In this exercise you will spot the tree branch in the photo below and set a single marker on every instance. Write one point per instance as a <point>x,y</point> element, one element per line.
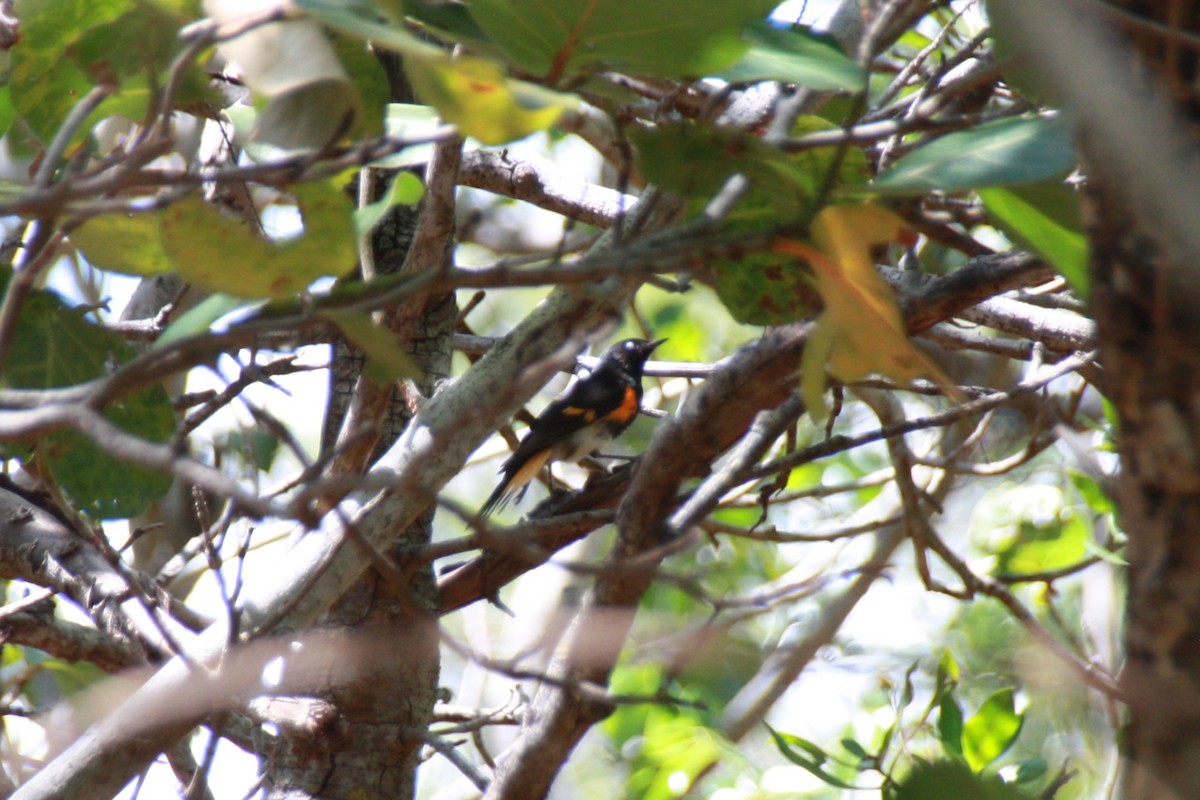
<point>545,186</point>
<point>38,548</point>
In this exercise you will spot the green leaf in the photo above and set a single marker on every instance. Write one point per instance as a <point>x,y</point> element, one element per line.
<point>696,161</point>
<point>222,254</point>
<point>69,46</point>
<point>659,744</point>
<point>947,672</point>
<point>97,483</point>
<point>141,43</point>
<point>8,111</point>
<point>629,721</point>
<point>795,56</point>
<point>947,779</point>
<point>56,346</point>
<point>346,18</point>
<point>672,745</point>
<point>1093,494</point>
<point>1002,152</point>
<point>453,19</point>
<point>991,730</point>
<point>1045,547</point>
<point>126,243</point>
<point>369,79</point>
<point>475,95</point>
<point>760,288</point>
<point>257,447</point>
<point>787,745</point>
<point>1030,770</point>
<point>311,116</point>
<point>915,41</point>
<point>45,85</point>
<point>386,361</point>
<point>199,318</point>
<point>671,38</point>
<point>855,749</point>
<point>405,189</point>
<point>1027,215</point>
<point>950,724</point>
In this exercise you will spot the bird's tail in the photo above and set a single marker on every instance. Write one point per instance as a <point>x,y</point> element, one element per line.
<point>516,478</point>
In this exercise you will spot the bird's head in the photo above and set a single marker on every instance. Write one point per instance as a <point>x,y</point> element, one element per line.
<point>631,354</point>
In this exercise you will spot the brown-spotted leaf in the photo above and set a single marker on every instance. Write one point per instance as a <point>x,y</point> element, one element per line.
<point>224,255</point>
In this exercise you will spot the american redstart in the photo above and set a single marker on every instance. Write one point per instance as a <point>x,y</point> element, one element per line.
<point>592,412</point>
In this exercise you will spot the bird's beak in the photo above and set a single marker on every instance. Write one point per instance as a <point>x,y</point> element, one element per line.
<point>653,346</point>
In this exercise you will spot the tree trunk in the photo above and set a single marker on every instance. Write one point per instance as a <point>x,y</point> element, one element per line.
<point>367,742</point>
<point>1129,77</point>
<point>1151,353</point>
<point>1146,301</point>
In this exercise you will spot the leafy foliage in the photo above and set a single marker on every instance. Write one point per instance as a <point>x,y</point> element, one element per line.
<point>951,779</point>
<point>673,38</point>
<point>117,43</point>
<point>1043,217</point>
<point>127,243</point>
<point>771,205</point>
<point>1019,150</point>
<point>794,56</point>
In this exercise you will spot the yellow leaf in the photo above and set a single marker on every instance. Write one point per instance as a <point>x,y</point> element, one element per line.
<point>861,331</point>
<point>475,95</point>
<point>812,370</point>
<point>224,255</point>
<point>122,243</point>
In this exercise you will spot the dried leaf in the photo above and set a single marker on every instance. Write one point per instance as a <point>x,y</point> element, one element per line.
<point>861,331</point>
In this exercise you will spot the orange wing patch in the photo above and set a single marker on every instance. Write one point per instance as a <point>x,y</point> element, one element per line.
<point>628,408</point>
<point>573,411</point>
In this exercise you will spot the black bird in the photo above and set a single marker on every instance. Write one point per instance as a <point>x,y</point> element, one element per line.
<point>593,411</point>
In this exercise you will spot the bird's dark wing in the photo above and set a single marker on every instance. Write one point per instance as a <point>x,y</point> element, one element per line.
<point>586,402</point>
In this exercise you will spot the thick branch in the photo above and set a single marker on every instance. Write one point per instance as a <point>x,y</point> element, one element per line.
<point>38,548</point>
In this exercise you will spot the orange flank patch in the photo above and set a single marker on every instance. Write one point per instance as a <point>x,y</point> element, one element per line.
<point>628,408</point>
<point>527,472</point>
<point>574,411</point>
